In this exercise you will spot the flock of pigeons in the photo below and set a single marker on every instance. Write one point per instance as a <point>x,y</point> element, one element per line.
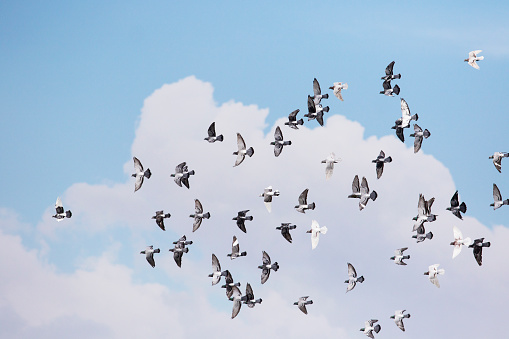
<point>360,190</point>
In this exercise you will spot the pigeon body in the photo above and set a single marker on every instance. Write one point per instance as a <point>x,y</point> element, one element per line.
<point>477,246</point>
<point>398,318</point>
<point>433,273</point>
<point>139,174</point>
<point>456,207</point>
<point>473,57</point>
<point>267,266</point>
<point>285,230</point>
<point>389,73</point>
<point>181,175</point>
<point>380,161</point>
<point>329,165</point>
<point>497,159</point>
<point>302,302</point>
<point>216,270</point>
<point>303,202</point>
<point>278,142</point>
<point>212,134</point>
<point>352,278</point>
<point>318,96</point>
<point>337,87</point>
<point>198,214</point>
<point>60,213</point>
<point>315,233</point>
<point>149,254</point>
<point>399,257</point>
<point>236,250</point>
<point>292,120</point>
<point>242,151</point>
<point>459,241</point>
<point>241,218</point>
<point>497,198</point>
<point>368,328</point>
<point>419,134</point>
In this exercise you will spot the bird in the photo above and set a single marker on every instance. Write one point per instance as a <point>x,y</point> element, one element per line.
<point>182,174</point>
<point>267,266</point>
<point>229,284</point>
<point>389,74</point>
<point>278,142</point>
<point>236,250</point>
<point>285,230</point>
<point>472,58</point>
<point>249,297</point>
<point>380,161</point>
<point>183,241</point>
<point>267,195</point>
<point>433,273</point>
<point>236,297</point>
<point>216,270</point>
<point>497,197</point>
<point>318,96</point>
<point>398,318</point>
<point>329,167</point>
<point>315,111</point>
<point>477,246</point>
<point>242,151</point>
<point>362,192</point>
<point>139,174</point>
<point>423,212</point>
<point>458,241</point>
<point>352,278</point>
<point>160,216</point>
<point>301,304</point>
<point>60,214</point>
<point>241,217</point>
<point>337,87</point>
<point>292,120</point>
<point>456,207</point>
<point>399,257</point>
<point>404,121</point>
<point>369,328</point>
<point>198,214</point>
<point>388,90</point>
<point>497,159</point>
<point>421,234</point>
<point>149,254</point>
<point>418,135</point>
<point>315,233</point>
<point>178,251</point>
<point>303,202</point>
<point>212,134</point>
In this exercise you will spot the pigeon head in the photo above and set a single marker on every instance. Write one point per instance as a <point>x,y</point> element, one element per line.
<point>392,316</point>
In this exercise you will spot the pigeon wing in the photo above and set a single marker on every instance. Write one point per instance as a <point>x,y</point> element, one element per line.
<point>293,116</point>
<point>180,167</point>
<point>265,275</point>
<point>216,267</point>
<point>150,259</point>
<point>265,258</point>
<point>496,193</point>
<point>235,245</point>
<point>355,185</point>
<point>278,135</point>
<point>278,148</point>
<point>351,271</point>
<point>379,169</point>
<point>316,88</point>
<point>212,130</point>
<point>138,167</point>
<point>241,145</point>
<point>388,69</point>
<point>198,208</point>
<point>303,197</point>
<point>311,105</point>
<point>405,110</point>
<point>454,200</point>
<point>417,143</point>
<point>364,186</point>
<point>138,182</point>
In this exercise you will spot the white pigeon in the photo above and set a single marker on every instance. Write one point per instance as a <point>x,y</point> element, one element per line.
<point>497,159</point>
<point>369,328</point>
<point>329,167</point>
<point>472,58</point>
<point>315,233</point>
<point>267,195</point>
<point>242,151</point>
<point>337,87</point>
<point>149,254</point>
<point>433,273</point>
<point>399,257</point>
<point>459,241</point>
<point>60,213</point>
<point>398,318</point>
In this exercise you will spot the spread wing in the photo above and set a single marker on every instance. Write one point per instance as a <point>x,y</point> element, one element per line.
<point>197,223</point>
<point>278,135</point>
<point>405,110</point>
<point>216,267</point>
<point>316,87</point>
<point>235,245</point>
<point>337,92</point>
<point>379,169</point>
<point>311,105</point>
<point>388,69</point>
<point>387,85</point>
<point>265,275</point>
<point>319,118</point>
<point>180,167</point>
<point>278,148</point>
<point>364,186</point>
<point>138,182</point>
<point>496,193</point>
<point>417,143</point>
<point>198,208</point>
<point>249,292</point>
<point>355,185</point>
<point>454,200</point>
<point>138,167</point>
<point>293,116</point>
<point>212,130</point>
<point>351,271</point>
<point>303,197</point>
<point>265,258</point>
<point>240,143</point>
<point>150,259</point>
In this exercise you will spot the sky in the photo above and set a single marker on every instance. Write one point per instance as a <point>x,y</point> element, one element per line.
<point>85,87</point>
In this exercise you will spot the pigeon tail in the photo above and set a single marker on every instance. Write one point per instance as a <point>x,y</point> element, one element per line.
<point>505,202</point>
<point>275,266</point>
<point>415,117</point>
<point>250,151</point>
<point>406,257</point>
<point>326,96</point>
<point>220,137</point>
<point>68,214</point>
<point>312,206</point>
<point>157,250</point>
<point>206,215</point>
<point>397,76</point>
<point>326,109</point>
<point>360,279</point>
<point>463,207</point>
<point>243,254</point>
<point>377,328</point>
<point>486,244</point>
<point>396,90</point>
<point>185,250</point>
<point>373,195</point>
<point>388,159</point>
<point>426,133</point>
<point>167,215</point>
<point>300,122</point>
<point>249,218</point>
<point>429,235</point>
<point>147,173</point>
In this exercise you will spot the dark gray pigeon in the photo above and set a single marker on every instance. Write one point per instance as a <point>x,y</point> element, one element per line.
<point>181,175</point>
<point>267,266</point>
<point>292,120</point>
<point>380,161</point>
<point>212,134</point>
<point>477,245</point>
<point>318,96</point>
<point>249,297</point>
<point>236,297</point>
<point>278,142</point>
<point>241,218</point>
<point>149,254</point>
<point>362,192</point>
<point>285,230</point>
<point>229,284</point>
<point>236,250</point>
<point>422,235</point>
<point>198,214</point>
<point>388,90</point>
<point>315,111</point>
<point>160,216</point>
<point>303,203</point>
<point>60,213</point>
<point>418,135</point>
<point>389,73</point>
<point>456,208</point>
<point>139,174</point>
<point>179,249</point>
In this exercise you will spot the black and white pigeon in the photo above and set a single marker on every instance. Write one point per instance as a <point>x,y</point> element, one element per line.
<point>278,142</point>
<point>198,214</point>
<point>183,241</point>
<point>399,257</point>
<point>212,134</point>
<point>433,273</point>
<point>229,284</point>
<point>249,297</point>
<point>363,194</point>
<point>389,73</point>
<point>423,212</point>
<point>236,250</point>
<point>388,90</point>
<point>216,270</point>
<point>242,151</point>
<point>337,87</point>
<point>318,96</point>
<point>315,233</point>
<point>368,328</point>
<point>181,175</point>
<point>60,213</point>
<point>139,174</point>
<point>421,234</point>
<point>404,121</point>
<point>285,230</point>
<point>267,266</point>
<point>303,202</point>
<point>315,111</point>
<point>236,297</point>
<point>497,198</point>
<point>267,195</point>
<point>456,207</point>
<point>380,161</point>
<point>472,58</point>
<point>398,318</point>
<point>292,120</point>
<point>352,278</point>
<point>329,165</point>
<point>497,159</point>
<point>301,304</point>
<point>477,245</point>
<point>149,254</point>
<point>418,135</point>
<point>241,218</point>
<point>459,241</point>
<point>160,216</point>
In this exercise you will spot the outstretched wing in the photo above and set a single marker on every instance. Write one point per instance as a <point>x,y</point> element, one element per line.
<point>265,258</point>
<point>405,110</point>
<point>496,193</point>
<point>198,208</point>
<point>303,197</point>
<point>278,135</point>
<point>293,116</point>
<point>316,88</point>
<point>355,185</point>
<point>138,167</point>
<point>351,271</point>
<point>212,130</point>
<point>240,143</point>
<point>388,69</point>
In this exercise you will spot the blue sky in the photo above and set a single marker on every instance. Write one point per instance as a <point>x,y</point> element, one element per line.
<point>74,78</point>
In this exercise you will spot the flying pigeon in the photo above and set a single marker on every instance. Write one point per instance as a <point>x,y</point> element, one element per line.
<point>183,241</point>
<point>352,278</point>
<point>497,159</point>
<point>249,298</point>
<point>241,153</point>
<point>421,234</point>
<point>267,266</point>
<point>198,214</point>
<point>389,75</point>
<point>380,161</point>
<point>279,142</point>
<point>160,218</point>
<point>472,58</point>
<point>398,318</point>
<point>433,273</point>
<point>229,284</point>
<point>458,241</point>
<point>423,212</point>
<point>404,121</point>
<point>236,250</point>
<point>456,208</point>
<point>178,251</point>
<point>241,217</point>
<point>236,297</point>
<point>399,257</point>
<point>182,174</point>
<point>418,135</point>
<point>318,96</point>
<point>362,192</point>
<point>497,197</point>
<point>285,230</point>
<point>59,208</point>
<point>301,304</point>
<point>329,167</point>
<point>216,270</point>
<point>149,254</point>
<point>477,245</point>
<point>337,87</point>
<point>388,90</point>
<point>267,197</point>
<point>368,328</point>
<point>315,111</point>
<point>212,134</point>
<point>315,233</point>
<point>139,174</point>
<point>303,204</point>
<point>292,120</point>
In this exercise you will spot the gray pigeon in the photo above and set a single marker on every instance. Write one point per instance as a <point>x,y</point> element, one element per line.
<point>249,298</point>
<point>497,159</point>
<point>477,246</point>
<point>352,278</point>
<point>236,297</point>
<point>362,192</point>
<point>267,266</point>
<point>315,111</point>
<point>278,142</point>
<point>456,208</point>
<point>139,174</point>
<point>216,271</point>
<point>212,134</point>
<point>236,250</point>
<point>389,73</point>
<point>423,212</point>
<point>285,230</point>
<point>398,318</point>
<point>198,214</point>
<point>318,96</point>
<point>242,151</point>
<point>292,120</point>
<point>181,175</point>
<point>388,90</point>
<point>60,213</point>
<point>421,234</point>
<point>380,161</point>
<point>301,304</point>
<point>229,284</point>
<point>149,254</point>
<point>497,197</point>
<point>241,218</point>
<point>160,216</point>
<point>368,328</point>
<point>179,249</point>
<point>399,257</point>
<point>303,203</point>
<point>404,121</point>
<point>418,135</point>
